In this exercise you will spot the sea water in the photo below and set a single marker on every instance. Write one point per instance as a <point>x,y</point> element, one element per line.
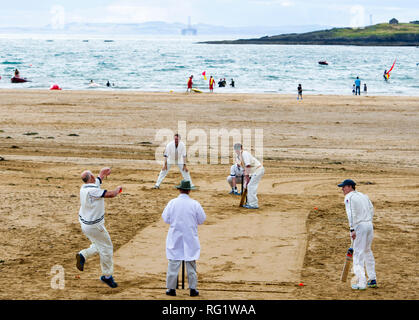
<point>164,64</point>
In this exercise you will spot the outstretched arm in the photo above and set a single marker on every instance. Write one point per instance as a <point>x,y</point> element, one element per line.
<point>114,193</point>
<point>104,173</point>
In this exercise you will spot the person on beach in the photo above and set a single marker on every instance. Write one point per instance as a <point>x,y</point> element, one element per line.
<point>190,83</point>
<point>253,173</point>
<point>300,92</point>
<point>365,88</point>
<point>211,84</point>
<point>92,222</point>
<point>236,176</point>
<point>357,86</point>
<point>232,84</point>
<point>360,212</point>
<point>182,243</point>
<point>174,154</point>
<point>220,83</point>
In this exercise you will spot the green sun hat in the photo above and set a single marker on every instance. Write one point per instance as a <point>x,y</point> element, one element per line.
<point>185,185</point>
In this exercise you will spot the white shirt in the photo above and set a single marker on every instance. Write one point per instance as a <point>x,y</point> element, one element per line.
<point>175,155</point>
<point>184,215</point>
<point>251,161</point>
<point>358,208</point>
<point>236,171</point>
<point>92,203</point>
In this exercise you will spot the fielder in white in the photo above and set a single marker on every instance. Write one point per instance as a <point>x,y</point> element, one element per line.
<point>236,176</point>
<point>182,243</point>
<point>92,221</point>
<point>253,173</point>
<point>175,153</point>
<point>360,212</point>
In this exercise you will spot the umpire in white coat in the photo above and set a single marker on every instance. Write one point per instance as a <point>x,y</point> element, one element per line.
<point>360,212</point>
<point>182,243</point>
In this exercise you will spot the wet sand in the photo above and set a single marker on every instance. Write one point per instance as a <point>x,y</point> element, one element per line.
<point>299,234</point>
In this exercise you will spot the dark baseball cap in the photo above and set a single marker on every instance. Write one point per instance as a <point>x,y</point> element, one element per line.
<point>347,182</point>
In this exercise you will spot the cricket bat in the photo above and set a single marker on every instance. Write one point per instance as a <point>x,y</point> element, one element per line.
<point>243,198</point>
<point>347,265</point>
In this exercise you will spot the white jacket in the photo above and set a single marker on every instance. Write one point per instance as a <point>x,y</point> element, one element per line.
<point>358,208</point>
<point>184,215</point>
<point>170,153</point>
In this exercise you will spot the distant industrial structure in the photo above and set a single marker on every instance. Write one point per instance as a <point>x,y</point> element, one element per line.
<point>189,30</point>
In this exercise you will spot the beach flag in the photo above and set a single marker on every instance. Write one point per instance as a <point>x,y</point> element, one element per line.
<point>205,77</point>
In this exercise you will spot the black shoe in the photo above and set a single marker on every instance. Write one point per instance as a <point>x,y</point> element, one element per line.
<point>194,293</point>
<point>171,292</point>
<point>109,281</point>
<point>80,261</point>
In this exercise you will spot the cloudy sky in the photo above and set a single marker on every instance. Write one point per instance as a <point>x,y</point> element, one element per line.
<point>338,13</point>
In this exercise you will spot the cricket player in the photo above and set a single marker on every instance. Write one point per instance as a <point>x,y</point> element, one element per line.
<point>360,212</point>
<point>236,176</point>
<point>175,153</point>
<point>92,221</point>
<point>253,173</point>
<point>182,243</point>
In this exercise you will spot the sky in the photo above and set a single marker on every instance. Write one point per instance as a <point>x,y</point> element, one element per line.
<point>229,13</point>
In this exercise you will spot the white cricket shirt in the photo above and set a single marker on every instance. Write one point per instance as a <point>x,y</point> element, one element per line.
<point>248,159</point>
<point>92,203</point>
<point>359,208</point>
<point>175,155</point>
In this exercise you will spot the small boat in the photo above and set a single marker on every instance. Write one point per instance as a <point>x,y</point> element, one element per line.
<point>323,63</point>
<point>19,80</point>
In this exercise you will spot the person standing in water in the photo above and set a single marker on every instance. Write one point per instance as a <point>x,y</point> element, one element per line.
<point>300,92</point>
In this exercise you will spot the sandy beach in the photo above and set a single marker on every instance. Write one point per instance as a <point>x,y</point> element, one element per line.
<point>298,236</point>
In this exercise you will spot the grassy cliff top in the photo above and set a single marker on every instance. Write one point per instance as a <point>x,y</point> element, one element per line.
<point>382,29</point>
<point>402,34</point>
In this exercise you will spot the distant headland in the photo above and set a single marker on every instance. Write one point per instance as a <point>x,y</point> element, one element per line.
<point>383,34</point>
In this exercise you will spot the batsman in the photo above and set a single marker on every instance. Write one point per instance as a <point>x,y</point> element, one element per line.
<point>360,212</point>
<point>253,173</point>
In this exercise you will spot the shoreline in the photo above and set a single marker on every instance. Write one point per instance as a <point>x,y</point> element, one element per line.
<point>133,91</point>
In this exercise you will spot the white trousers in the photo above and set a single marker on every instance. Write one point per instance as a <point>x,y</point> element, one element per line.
<point>363,257</point>
<point>230,180</point>
<point>173,271</point>
<point>163,174</point>
<point>101,244</point>
<point>252,199</point>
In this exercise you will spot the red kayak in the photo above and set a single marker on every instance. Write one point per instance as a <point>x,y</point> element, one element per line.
<point>19,80</point>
